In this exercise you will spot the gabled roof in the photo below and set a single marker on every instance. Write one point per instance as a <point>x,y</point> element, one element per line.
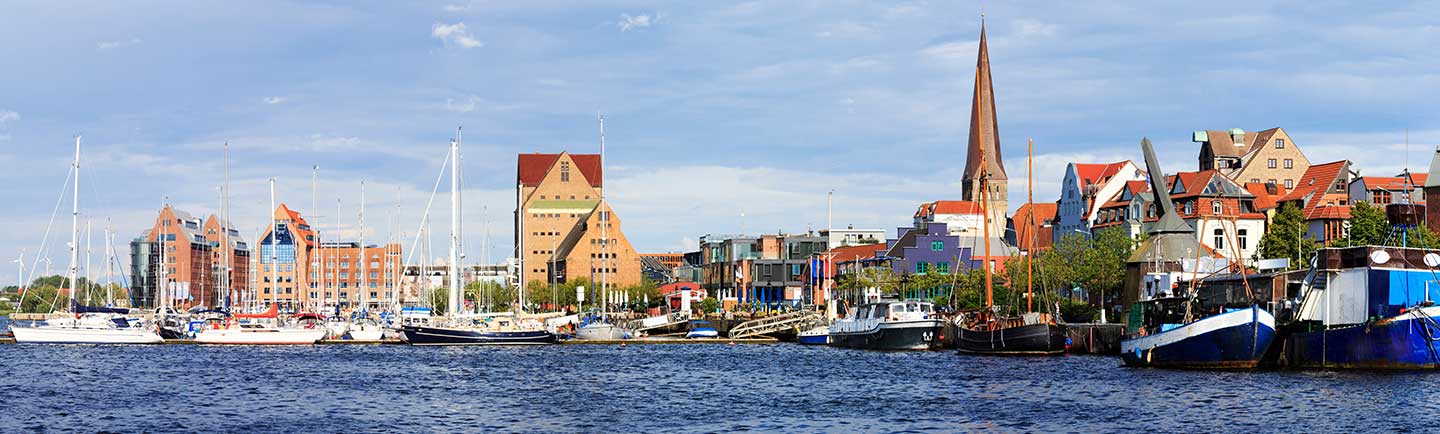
<point>1318,178</point>
<point>531,168</point>
<point>1042,212</point>
<point>1266,195</point>
<point>1088,174</point>
<point>852,253</point>
<point>948,207</point>
<point>1391,183</point>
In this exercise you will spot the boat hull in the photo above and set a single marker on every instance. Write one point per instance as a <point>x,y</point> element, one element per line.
<point>419,335</point>
<point>898,335</point>
<point>1027,340</point>
<point>1407,341</point>
<point>602,332</point>
<point>260,337</point>
<point>81,335</point>
<point>1232,340</point>
<point>813,339</point>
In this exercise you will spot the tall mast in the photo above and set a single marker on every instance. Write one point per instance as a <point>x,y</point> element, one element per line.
<point>364,261</point>
<point>320,244</point>
<point>985,217</point>
<point>89,244</point>
<point>1030,239</point>
<point>75,227</point>
<point>227,250</point>
<point>335,254</point>
<point>109,277</point>
<point>274,250</point>
<point>604,219</point>
<point>454,307</point>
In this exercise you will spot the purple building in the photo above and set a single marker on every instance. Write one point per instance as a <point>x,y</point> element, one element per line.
<point>929,248</point>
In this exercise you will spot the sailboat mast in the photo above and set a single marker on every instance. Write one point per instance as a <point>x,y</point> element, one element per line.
<point>274,251</point>
<point>364,261</point>
<point>75,227</point>
<point>985,214</point>
<point>89,245</point>
<point>109,282</point>
<point>315,208</point>
<point>454,307</point>
<point>1030,235</point>
<point>604,220</point>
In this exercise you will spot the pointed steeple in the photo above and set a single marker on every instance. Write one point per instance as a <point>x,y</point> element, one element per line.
<point>984,131</point>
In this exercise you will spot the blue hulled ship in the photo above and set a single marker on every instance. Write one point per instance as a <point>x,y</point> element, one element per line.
<point>1367,307</point>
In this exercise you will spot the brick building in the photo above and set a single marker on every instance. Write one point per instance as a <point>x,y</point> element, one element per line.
<point>348,280</point>
<point>191,267</point>
<point>283,264</point>
<point>1264,157</point>
<point>558,232</point>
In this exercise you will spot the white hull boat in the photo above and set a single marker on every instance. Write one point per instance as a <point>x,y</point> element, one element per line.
<point>84,335</point>
<point>602,332</point>
<point>257,335</point>
<point>366,332</point>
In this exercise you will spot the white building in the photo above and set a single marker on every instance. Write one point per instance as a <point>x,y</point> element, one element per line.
<point>852,237</point>
<point>1086,188</point>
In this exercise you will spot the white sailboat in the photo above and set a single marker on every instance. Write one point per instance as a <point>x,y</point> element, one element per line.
<point>85,325</point>
<point>362,328</point>
<point>232,332</point>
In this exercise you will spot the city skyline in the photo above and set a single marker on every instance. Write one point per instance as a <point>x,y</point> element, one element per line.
<point>710,108</point>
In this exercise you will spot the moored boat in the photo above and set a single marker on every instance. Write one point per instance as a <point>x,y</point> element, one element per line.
<point>597,327</point>
<point>888,325</point>
<point>1237,339</point>
<point>1367,308</point>
<point>815,336</point>
<point>700,329</point>
<point>1029,334</point>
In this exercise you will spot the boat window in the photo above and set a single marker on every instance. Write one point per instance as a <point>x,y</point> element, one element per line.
<point>897,308</point>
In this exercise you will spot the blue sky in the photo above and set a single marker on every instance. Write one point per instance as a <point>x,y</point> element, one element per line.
<point>712,107</point>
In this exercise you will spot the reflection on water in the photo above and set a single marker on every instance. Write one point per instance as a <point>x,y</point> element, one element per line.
<point>674,388</point>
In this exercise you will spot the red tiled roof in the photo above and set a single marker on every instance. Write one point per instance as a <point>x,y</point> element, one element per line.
<point>948,207</point>
<point>1419,179</point>
<point>1328,212</point>
<point>533,167</point>
<point>1097,173</point>
<point>1392,183</point>
<point>1044,212</point>
<point>851,253</point>
<point>1318,177</point>
<point>305,236</point>
<point>1264,197</point>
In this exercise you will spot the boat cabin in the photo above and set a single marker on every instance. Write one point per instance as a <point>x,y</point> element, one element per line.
<point>1354,285</point>
<point>895,310</point>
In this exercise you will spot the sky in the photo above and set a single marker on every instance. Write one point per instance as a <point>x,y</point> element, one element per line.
<point>721,117</point>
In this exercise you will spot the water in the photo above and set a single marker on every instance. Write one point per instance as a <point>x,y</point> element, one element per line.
<point>670,388</point>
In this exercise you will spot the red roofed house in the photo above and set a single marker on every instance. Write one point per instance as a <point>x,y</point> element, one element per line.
<point>559,219</point>
<point>961,217</point>
<point>1385,190</point>
<point>1322,195</point>
<point>1085,189</point>
<point>1039,229</point>
<point>1221,211</point>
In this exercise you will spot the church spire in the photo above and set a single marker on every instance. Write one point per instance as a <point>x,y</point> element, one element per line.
<point>984,132</point>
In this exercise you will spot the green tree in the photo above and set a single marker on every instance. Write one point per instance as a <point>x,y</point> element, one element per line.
<point>1368,226</point>
<point>709,304</point>
<point>1284,238</point>
<point>440,299</point>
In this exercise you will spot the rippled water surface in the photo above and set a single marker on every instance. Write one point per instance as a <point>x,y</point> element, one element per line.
<point>670,388</point>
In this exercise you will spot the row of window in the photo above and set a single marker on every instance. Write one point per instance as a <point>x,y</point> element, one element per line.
<point>1289,183</point>
<point>924,267</point>
<point>545,234</point>
<point>1243,237</point>
<point>1289,164</point>
<point>557,197</point>
<point>347,285</point>
<point>373,295</point>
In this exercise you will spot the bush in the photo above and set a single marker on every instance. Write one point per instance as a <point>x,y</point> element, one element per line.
<point>709,304</point>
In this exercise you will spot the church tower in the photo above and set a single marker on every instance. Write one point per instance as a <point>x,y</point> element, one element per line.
<point>985,134</point>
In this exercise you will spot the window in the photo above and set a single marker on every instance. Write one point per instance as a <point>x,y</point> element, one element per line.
<point>1270,163</point>
<point>565,171</point>
<point>1188,208</point>
<point>1216,207</point>
<point>938,246</point>
<point>1289,164</point>
<point>1254,180</point>
<point>1219,239</point>
<point>1289,184</point>
<point>942,267</point>
<point>922,267</point>
<point>1279,143</point>
<point>1270,181</point>
<point>344,265</point>
<point>1244,239</point>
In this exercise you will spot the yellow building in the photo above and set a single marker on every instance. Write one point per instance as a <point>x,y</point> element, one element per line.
<point>559,230</point>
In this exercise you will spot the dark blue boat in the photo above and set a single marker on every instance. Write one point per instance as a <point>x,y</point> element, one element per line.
<point>426,335</point>
<point>1237,339</point>
<point>1368,308</point>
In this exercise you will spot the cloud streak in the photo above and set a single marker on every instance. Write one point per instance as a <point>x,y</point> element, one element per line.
<point>637,22</point>
<point>107,45</point>
<point>455,35</point>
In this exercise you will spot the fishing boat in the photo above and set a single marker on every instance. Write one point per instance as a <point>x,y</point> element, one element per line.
<point>83,324</point>
<point>504,328</point>
<point>1368,307</point>
<point>888,325</point>
<point>990,331</point>
<point>815,336</point>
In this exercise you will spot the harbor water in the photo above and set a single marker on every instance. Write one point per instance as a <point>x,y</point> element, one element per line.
<point>671,388</point>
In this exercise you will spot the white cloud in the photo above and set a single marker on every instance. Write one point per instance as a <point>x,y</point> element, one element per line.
<point>455,34</point>
<point>628,23</point>
<point>275,99</point>
<point>1029,27</point>
<point>456,8</point>
<point>466,105</point>
<point>106,45</point>
<point>8,116</point>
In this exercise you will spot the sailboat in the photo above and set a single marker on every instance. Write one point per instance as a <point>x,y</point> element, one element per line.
<point>84,324</point>
<point>504,328</point>
<point>988,331</point>
<point>231,331</point>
